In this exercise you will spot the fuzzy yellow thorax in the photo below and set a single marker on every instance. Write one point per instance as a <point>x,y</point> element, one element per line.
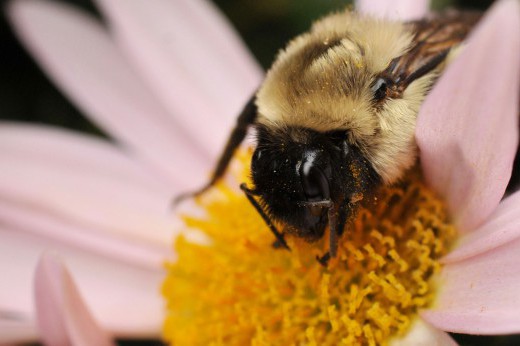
<point>239,290</point>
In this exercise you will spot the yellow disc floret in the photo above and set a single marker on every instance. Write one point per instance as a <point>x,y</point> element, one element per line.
<point>239,290</point>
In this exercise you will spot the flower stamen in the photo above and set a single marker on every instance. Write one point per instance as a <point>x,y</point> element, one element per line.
<point>240,290</point>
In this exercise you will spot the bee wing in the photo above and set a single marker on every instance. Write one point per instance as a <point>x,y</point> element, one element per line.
<point>434,36</point>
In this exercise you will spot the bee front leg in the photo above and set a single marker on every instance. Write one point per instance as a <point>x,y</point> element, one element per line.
<point>246,118</point>
<point>277,244</point>
<point>280,240</point>
<point>324,260</point>
<point>337,221</point>
<point>332,215</point>
<point>333,237</point>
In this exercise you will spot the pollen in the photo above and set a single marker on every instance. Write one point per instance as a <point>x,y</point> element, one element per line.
<point>240,290</point>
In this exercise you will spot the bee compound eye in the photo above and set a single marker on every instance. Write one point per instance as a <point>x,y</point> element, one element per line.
<point>255,161</point>
<point>257,155</point>
<point>379,88</point>
<point>314,182</point>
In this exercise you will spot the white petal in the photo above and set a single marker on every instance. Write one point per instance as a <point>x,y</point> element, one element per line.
<point>502,227</point>
<point>70,148</point>
<point>78,54</point>
<point>124,299</point>
<point>142,253</point>
<point>467,129</point>
<point>423,334</point>
<point>396,9</point>
<point>62,315</point>
<point>481,294</point>
<point>15,330</point>
<point>191,58</point>
<point>84,181</point>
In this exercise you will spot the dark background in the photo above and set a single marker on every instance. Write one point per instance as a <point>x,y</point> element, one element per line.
<point>265,26</point>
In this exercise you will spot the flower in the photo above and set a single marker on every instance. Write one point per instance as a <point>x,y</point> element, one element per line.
<point>469,162</point>
<point>238,290</point>
<point>103,206</point>
<point>149,174</point>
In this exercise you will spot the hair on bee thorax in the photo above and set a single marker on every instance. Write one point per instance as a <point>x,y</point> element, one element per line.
<point>322,81</point>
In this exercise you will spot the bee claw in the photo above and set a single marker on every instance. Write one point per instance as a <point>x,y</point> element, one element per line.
<point>278,244</point>
<point>192,194</point>
<point>324,260</point>
<point>178,199</point>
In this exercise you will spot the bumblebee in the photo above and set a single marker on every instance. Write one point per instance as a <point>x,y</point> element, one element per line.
<point>335,117</point>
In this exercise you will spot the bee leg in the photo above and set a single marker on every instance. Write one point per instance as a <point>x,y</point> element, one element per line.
<point>244,120</point>
<point>333,237</point>
<point>277,244</point>
<point>279,236</point>
<point>334,231</point>
<point>324,260</point>
<point>337,222</point>
<point>332,214</point>
<point>342,217</point>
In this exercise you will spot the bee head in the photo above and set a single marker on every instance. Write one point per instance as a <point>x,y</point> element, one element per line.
<point>293,167</point>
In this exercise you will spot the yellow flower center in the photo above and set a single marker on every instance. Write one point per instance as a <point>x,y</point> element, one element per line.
<point>239,290</point>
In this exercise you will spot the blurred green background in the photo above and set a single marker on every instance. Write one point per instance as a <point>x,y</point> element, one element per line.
<point>27,95</point>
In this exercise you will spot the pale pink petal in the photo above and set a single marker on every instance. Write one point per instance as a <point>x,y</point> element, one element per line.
<point>467,129</point>
<point>85,181</point>
<point>65,147</point>
<point>502,227</point>
<point>77,53</point>
<point>143,253</point>
<point>191,58</point>
<point>395,10</point>
<point>124,299</point>
<point>481,294</point>
<point>15,330</point>
<point>63,317</point>
<point>423,334</point>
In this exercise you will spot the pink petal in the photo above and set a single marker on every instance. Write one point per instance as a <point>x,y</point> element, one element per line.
<point>85,181</point>
<point>124,299</point>
<point>192,60</point>
<point>16,330</point>
<point>481,294</point>
<point>65,147</point>
<point>63,317</point>
<point>503,226</point>
<point>141,253</point>
<point>77,53</point>
<point>394,10</point>
<point>467,129</point>
<point>423,334</point>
